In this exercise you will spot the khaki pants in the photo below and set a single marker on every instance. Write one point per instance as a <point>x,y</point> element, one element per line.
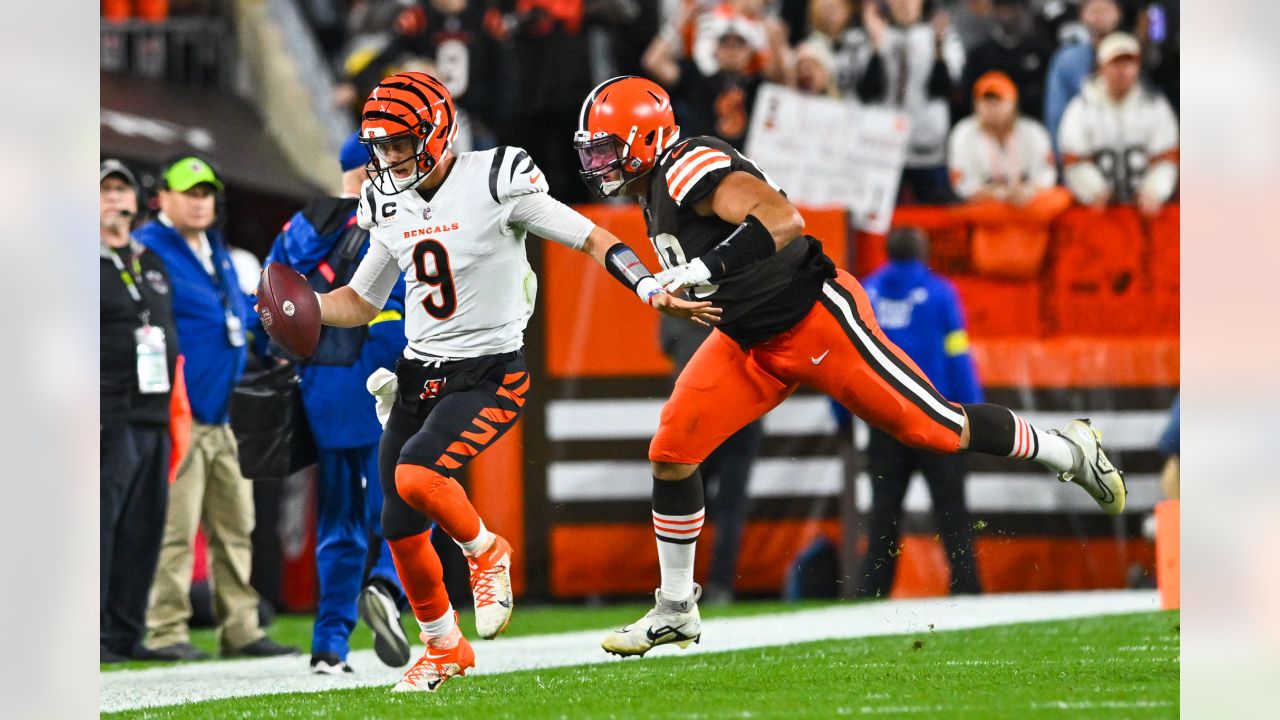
<point>209,488</point>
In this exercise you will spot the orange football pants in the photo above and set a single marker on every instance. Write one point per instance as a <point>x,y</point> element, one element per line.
<point>838,348</point>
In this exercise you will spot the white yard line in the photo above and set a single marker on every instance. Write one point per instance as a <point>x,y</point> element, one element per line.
<point>179,684</point>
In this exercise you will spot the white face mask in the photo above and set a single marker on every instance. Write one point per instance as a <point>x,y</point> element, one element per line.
<point>413,179</point>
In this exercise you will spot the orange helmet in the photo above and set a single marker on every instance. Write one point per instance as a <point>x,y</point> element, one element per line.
<point>625,125</point>
<point>409,106</point>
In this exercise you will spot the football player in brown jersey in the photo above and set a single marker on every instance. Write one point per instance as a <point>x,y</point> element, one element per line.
<point>724,232</point>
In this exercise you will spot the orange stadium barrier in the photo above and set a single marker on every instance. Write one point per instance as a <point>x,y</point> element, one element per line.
<point>1106,272</point>
<point>1168,554</point>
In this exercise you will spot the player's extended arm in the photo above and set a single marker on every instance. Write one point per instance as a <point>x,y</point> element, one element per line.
<point>767,222</point>
<point>343,307</point>
<point>624,265</point>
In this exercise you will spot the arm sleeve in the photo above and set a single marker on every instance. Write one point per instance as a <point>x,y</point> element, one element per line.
<point>519,185</point>
<point>546,217</point>
<point>962,375</point>
<point>947,68</point>
<point>377,275</point>
<point>1080,174</point>
<point>939,85</point>
<point>1162,176</point>
<point>873,83</point>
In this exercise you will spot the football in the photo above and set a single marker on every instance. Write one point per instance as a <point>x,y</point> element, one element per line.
<point>289,310</point>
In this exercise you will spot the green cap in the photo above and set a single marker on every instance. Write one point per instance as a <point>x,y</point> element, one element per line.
<point>189,172</point>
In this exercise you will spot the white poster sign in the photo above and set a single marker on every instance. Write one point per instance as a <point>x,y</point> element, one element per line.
<point>827,152</point>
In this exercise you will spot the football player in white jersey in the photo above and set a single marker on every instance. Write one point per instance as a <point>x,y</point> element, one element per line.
<point>455,225</point>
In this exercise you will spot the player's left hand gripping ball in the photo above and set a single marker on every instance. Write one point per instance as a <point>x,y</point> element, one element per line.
<point>693,273</point>
<point>289,310</point>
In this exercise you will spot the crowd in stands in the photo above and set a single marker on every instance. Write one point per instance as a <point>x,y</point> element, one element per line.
<point>519,69</point>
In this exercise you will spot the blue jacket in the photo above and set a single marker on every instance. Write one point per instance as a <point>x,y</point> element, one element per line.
<point>1068,70</point>
<point>920,312</point>
<point>339,408</point>
<point>200,305</point>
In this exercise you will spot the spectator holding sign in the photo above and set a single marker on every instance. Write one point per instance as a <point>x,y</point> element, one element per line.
<point>1119,139</point>
<point>906,62</point>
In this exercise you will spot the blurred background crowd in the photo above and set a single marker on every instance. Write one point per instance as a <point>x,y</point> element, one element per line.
<point>520,68</point>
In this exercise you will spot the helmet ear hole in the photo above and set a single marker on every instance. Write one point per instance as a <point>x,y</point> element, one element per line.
<point>648,138</point>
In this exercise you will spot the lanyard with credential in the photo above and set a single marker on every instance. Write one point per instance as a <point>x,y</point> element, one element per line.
<point>149,340</point>
<point>130,277</point>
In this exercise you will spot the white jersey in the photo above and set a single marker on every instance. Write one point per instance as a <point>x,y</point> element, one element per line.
<point>1129,147</point>
<point>907,55</point>
<point>469,290</point>
<point>978,159</point>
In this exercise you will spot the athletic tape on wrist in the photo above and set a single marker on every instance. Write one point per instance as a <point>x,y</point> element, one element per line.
<point>647,288</point>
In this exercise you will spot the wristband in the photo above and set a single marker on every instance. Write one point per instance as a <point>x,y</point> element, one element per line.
<point>647,288</point>
<point>749,244</point>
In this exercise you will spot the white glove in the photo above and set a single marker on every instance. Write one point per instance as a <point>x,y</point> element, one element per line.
<point>382,385</point>
<point>690,274</point>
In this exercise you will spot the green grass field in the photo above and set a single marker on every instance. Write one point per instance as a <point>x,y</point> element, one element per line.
<point>1122,666</point>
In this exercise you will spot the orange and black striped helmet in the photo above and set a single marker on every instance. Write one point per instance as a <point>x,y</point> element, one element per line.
<point>413,107</point>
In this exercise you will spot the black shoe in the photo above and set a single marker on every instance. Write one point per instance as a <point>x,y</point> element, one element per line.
<point>142,652</point>
<point>329,664</point>
<point>106,656</point>
<point>380,613</point>
<point>179,651</point>
<point>262,647</point>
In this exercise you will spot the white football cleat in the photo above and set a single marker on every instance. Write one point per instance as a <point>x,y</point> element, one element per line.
<point>666,623</point>
<point>491,588</point>
<point>438,664</point>
<point>1093,471</point>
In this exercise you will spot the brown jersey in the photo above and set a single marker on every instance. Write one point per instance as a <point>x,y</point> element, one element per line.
<point>759,301</point>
